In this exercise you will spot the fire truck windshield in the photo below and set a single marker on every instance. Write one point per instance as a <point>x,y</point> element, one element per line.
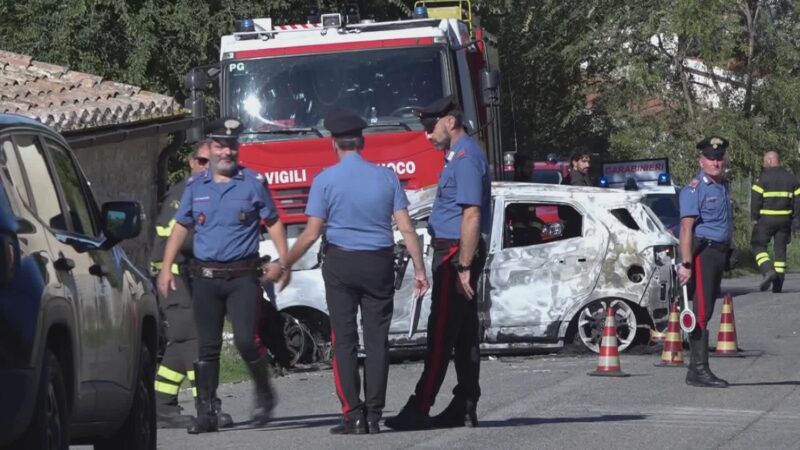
<point>293,93</point>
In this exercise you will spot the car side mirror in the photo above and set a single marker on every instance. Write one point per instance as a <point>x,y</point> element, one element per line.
<point>120,221</point>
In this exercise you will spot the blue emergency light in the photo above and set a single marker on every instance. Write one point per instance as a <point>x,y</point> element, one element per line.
<point>420,12</point>
<point>663,179</point>
<point>245,26</point>
<point>603,182</point>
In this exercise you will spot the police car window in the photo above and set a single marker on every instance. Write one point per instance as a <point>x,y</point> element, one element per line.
<point>43,190</point>
<point>547,176</point>
<point>74,188</point>
<point>13,170</point>
<point>529,224</point>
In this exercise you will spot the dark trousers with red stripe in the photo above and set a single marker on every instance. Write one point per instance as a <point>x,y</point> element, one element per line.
<point>353,280</point>
<point>708,266</point>
<point>452,327</point>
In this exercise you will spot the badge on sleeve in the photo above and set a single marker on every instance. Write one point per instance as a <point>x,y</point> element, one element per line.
<point>201,219</point>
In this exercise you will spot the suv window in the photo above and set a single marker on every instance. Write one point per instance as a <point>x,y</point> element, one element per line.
<point>538,223</point>
<point>44,195</point>
<point>75,192</point>
<point>11,166</point>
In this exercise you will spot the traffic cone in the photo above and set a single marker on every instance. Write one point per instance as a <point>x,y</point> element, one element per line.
<point>726,338</point>
<point>672,355</point>
<point>608,362</point>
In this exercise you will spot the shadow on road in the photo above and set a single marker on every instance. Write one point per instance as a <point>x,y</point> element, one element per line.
<point>768,383</point>
<point>521,421</point>
<point>289,422</point>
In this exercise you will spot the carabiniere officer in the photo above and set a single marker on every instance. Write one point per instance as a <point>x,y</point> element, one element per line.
<point>705,241</point>
<point>224,205</point>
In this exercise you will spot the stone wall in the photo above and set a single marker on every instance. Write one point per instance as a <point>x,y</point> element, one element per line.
<point>127,171</point>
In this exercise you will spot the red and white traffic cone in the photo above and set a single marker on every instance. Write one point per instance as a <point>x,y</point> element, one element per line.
<point>608,363</point>
<point>672,355</point>
<point>727,344</point>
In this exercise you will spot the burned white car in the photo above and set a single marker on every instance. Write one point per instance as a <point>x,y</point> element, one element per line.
<point>557,257</point>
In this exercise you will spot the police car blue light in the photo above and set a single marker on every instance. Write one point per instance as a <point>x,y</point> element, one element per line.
<point>420,12</point>
<point>245,25</point>
<point>663,179</point>
<point>603,182</point>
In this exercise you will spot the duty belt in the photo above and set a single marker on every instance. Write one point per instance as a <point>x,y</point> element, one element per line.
<point>211,270</point>
<point>708,243</point>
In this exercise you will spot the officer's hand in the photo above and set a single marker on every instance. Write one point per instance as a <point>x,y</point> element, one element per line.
<point>285,279</point>
<point>165,283</point>
<point>463,286</point>
<point>420,283</point>
<point>684,275</point>
<point>272,272</point>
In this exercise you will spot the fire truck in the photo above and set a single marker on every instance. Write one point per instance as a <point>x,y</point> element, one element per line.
<point>281,81</point>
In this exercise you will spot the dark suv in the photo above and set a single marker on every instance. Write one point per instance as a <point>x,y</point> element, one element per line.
<point>78,333</point>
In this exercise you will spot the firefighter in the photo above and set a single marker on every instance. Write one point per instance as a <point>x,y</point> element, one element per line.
<point>460,218</point>
<point>580,162</point>
<point>357,201</point>
<point>775,202</point>
<point>705,240</point>
<point>223,206</point>
<point>181,350</point>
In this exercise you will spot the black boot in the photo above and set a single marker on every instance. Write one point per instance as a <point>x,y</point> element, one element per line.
<point>224,420</point>
<point>459,412</point>
<point>169,416</point>
<point>777,285</point>
<point>768,278</point>
<point>207,379</point>
<point>699,373</point>
<point>265,396</point>
<point>410,417</point>
<point>355,424</point>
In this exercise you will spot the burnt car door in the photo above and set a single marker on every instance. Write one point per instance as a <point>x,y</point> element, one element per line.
<point>547,258</point>
<point>115,358</point>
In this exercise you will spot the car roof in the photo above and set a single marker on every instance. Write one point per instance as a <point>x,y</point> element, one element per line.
<point>11,120</point>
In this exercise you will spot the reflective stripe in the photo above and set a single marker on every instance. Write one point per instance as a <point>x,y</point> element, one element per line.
<point>797,191</point>
<point>778,194</point>
<point>190,375</point>
<point>758,189</point>
<point>762,258</point>
<point>780,264</point>
<point>194,392</point>
<point>776,212</point>
<point>780,270</point>
<point>169,374</point>
<point>167,230</point>
<point>156,266</point>
<point>167,388</point>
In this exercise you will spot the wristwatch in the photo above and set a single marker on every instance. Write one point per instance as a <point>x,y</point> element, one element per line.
<point>461,268</point>
<point>686,265</point>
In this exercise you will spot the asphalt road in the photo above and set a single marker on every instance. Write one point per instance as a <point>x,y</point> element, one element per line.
<point>549,402</point>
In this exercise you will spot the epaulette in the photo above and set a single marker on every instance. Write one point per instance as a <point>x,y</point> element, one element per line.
<point>191,179</point>
<point>461,153</point>
<point>250,173</point>
<point>693,184</point>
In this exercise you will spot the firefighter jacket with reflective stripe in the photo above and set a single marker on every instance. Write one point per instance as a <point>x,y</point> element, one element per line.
<point>775,193</point>
<point>164,225</point>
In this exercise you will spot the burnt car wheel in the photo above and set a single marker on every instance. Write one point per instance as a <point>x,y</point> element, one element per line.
<point>591,320</point>
<point>49,428</point>
<point>139,429</point>
<point>297,339</point>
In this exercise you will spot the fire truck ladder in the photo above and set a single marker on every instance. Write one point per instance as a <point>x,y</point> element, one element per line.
<point>449,9</point>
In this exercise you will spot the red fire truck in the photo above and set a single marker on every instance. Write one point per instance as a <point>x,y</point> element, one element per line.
<point>281,81</point>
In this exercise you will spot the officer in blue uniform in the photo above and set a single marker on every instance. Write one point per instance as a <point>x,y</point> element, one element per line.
<point>357,200</point>
<point>224,206</point>
<point>461,216</point>
<point>705,241</point>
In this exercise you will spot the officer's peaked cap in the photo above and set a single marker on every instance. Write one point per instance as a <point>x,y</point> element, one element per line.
<point>435,111</point>
<point>713,147</point>
<point>344,123</point>
<point>224,128</point>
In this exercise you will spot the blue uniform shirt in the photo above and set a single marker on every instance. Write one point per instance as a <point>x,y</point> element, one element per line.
<point>710,203</point>
<point>464,182</point>
<point>225,216</point>
<point>357,200</point>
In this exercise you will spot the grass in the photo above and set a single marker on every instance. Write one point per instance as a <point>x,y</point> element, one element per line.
<point>231,367</point>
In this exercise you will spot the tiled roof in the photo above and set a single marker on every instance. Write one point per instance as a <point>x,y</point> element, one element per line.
<point>68,100</point>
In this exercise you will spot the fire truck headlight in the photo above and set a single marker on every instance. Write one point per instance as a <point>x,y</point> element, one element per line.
<point>252,105</point>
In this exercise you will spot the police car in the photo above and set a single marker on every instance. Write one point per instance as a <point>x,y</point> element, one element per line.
<point>651,178</point>
<point>546,283</point>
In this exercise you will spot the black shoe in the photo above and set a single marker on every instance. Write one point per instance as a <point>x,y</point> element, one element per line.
<point>265,396</point>
<point>769,277</point>
<point>224,420</point>
<point>374,427</point>
<point>699,374</point>
<point>777,285</point>
<point>459,413</point>
<point>171,418</point>
<point>409,418</point>
<point>358,426</point>
<point>207,379</point>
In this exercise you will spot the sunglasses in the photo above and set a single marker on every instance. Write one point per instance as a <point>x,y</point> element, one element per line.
<point>201,161</point>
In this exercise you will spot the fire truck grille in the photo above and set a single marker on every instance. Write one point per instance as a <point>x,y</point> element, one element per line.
<point>291,200</point>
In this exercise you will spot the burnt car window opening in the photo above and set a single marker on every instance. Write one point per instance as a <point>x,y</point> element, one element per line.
<point>383,86</point>
<point>547,176</point>
<point>624,216</point>
<point>79,209</point>
<point>529,224</point>
<point>44,196</point>
<point>13,170</point>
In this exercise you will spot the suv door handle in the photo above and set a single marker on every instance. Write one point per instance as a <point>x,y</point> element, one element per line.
<point>64,264</point>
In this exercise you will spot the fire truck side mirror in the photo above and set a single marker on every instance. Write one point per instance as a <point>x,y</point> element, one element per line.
<point>490,84</point>
<point>195,83</point>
